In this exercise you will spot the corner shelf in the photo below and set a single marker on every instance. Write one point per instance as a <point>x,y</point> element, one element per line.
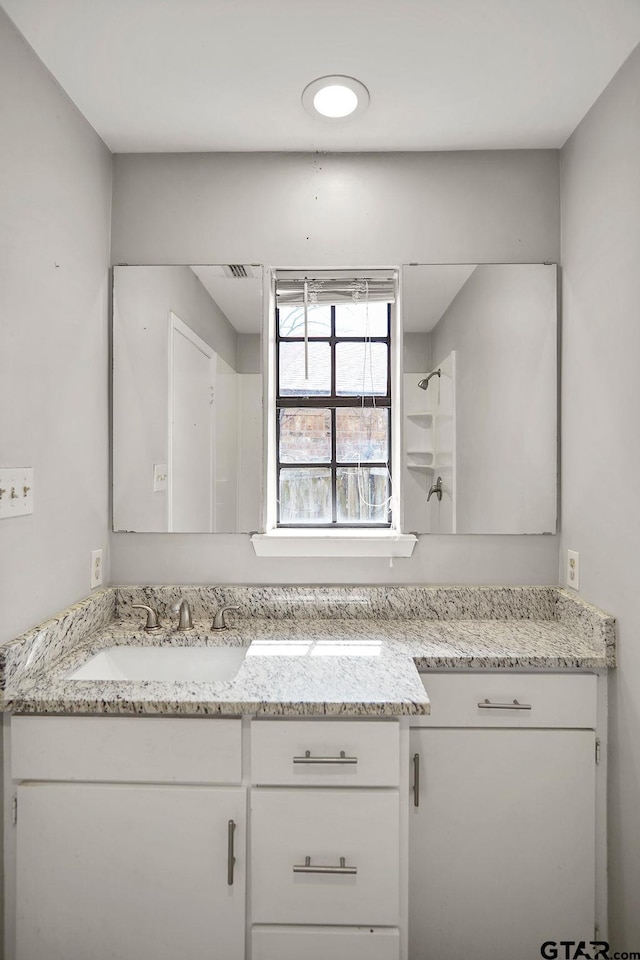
<point>420,460</point>
<point>420,415</point>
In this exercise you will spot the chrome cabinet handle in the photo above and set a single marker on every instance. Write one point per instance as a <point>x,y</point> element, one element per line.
<point>309,759</point>
<point>416,779</point>
<point>515,705</point>
<point>306,867</point>
<point>231,860</point>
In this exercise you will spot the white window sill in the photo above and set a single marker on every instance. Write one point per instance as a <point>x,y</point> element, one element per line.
<point>337,543</point>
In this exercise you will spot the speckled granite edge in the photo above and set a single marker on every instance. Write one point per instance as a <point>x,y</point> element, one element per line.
<point>350,602</point>
<point>216,708</point>
<point>45,643</point>
<point>589,621</point>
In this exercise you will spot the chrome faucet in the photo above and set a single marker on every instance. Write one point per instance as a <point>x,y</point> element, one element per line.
<point>182,607</point>
<point>219,622</point>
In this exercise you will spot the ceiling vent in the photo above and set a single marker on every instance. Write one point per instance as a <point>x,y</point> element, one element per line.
<point>238,271</point>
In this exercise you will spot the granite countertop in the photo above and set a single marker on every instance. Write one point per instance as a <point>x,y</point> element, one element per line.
<point>310,651</point>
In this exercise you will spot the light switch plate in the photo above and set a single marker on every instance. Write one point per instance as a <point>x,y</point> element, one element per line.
<point>159,477</point>
<point>573,569</point>
<point>16,491</point>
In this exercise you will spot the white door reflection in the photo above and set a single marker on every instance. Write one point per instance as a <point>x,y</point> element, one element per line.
<point>192,365</point>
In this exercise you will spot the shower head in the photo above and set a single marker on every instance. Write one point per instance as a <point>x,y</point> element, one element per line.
<point>423,384</point>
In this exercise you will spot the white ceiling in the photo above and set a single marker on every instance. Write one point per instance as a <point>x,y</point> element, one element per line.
<point>239,299</point>
<point>202,75</point>
<point>427,291</point>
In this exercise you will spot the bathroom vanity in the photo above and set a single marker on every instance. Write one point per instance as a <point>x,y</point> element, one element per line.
<point>328,800</point>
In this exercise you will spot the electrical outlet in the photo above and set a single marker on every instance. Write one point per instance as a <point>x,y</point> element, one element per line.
<point>96,568</point>
<point>573,569</point>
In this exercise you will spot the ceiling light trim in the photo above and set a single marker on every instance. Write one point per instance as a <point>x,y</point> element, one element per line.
<point>337,80</point>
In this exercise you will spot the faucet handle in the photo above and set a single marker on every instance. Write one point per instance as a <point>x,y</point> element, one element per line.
<point>153,621</point>
<point>219,622</point>
<point>435,488</point>
<point>182,607</point>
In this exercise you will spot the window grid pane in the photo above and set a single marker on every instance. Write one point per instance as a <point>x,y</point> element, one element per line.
<point>291,321</point>
<point>362,434</point>
<point>305,495</point>
<point>291,369</point>
<point>362,320</point>
<point>304,435</point>
<point>361,369</point>
<point>362,494</point>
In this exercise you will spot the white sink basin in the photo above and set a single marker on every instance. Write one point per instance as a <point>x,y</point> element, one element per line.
<point>162,663</point>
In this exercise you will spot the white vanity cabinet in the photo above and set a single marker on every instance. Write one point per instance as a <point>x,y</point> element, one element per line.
<point>502,827</point>
<point>325,839</point>
<point>107,867</point>
<point>131,832</point>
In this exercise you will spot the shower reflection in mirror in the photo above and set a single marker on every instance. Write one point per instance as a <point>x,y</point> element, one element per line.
<point>480,398</point>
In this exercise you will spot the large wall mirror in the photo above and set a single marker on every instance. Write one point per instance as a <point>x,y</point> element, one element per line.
<point>479,398</point>
<point>187,398</point>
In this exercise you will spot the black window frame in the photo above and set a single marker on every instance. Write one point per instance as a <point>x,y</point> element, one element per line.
<point>332,402</point>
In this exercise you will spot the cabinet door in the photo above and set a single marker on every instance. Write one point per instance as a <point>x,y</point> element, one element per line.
<point>115,872</point>
<point>502,844</point>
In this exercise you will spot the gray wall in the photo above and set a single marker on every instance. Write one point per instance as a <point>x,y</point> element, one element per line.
<point>54,270</point>
<point>340,209</point>
<point>502,326</point>
<point>327,210</point>
<point>249,355</point>
<point>54,260</point>
<point>601,433</point>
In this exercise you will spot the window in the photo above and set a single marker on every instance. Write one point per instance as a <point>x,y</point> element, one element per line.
<point>333,401</point>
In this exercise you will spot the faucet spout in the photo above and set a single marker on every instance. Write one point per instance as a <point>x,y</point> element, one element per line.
<point>182,607</point>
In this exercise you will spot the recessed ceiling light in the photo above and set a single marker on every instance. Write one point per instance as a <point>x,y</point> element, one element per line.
<point>335,97</point>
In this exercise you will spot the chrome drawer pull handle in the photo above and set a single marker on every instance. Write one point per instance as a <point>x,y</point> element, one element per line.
<point>309,759</point>
<point>307,868</point>
<point>516,705</point>
<point>231,860</point>
<point>416,779</point>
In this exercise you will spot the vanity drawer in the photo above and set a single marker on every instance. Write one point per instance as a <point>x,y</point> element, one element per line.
<point>319,943</point>
<point>126,749</point>
<point>549,700</point>
<point>371,753</point>
<point>355,832</point>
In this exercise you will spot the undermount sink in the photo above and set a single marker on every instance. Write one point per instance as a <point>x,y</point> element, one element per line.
<point>162,663</point>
